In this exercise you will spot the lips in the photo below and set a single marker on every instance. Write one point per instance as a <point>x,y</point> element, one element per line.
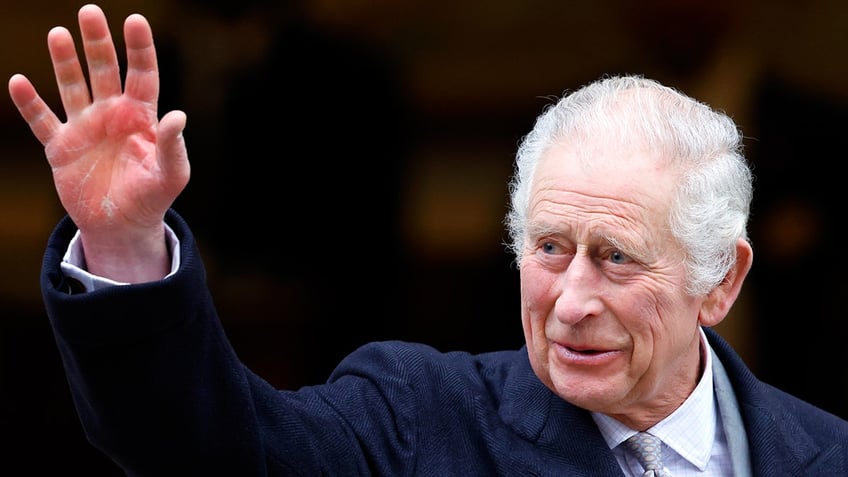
<point>584,354</point>
<point>585,350</point>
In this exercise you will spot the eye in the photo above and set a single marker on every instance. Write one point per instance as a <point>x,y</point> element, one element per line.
<point>551,248</point>
<point>618,257</point>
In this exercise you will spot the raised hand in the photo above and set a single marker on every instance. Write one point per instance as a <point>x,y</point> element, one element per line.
<point>117,168</point>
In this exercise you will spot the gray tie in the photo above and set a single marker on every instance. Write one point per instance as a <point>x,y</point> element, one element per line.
<point>647,449</point>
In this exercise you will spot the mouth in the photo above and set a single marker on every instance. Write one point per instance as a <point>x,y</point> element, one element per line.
<point>588,351</point>
<point>584,355</point>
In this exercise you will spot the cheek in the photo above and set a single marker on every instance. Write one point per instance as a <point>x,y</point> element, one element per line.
<point>536,304</point>
<point>655,323</point>
<point>538,297</point>
<point>538,294</point>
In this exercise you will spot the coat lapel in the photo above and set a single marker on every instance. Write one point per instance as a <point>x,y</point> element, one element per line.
<point>566,433</point>
<point>778,440</point>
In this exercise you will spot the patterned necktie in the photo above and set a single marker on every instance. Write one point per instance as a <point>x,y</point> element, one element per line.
<point>646,448</point>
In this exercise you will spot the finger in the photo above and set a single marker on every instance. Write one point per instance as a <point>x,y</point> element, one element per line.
<point>173,157</point>
<point>142,71</point>
<point>40,118</point>
<point>103,70</point>
<point>73,88</point>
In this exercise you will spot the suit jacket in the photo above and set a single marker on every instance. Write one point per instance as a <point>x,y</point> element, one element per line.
<point>159,388</point>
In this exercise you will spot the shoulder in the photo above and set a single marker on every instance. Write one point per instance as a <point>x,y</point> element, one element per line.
<point>815,420</point>
<point>424,367</point>
<point>754,393</point>
<point>425,361</point>
<point>784,431</point>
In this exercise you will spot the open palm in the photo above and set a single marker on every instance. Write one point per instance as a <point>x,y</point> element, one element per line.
<point>116,167</point>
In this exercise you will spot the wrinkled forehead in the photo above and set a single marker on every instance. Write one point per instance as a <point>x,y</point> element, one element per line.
<point>599,178</point>
<point>605,190</point>
<point>608,165</point>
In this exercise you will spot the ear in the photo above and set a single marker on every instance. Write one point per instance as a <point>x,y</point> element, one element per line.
<point>717,303</point>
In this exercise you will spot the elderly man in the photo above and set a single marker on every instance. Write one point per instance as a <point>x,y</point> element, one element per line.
<point>628,219</point>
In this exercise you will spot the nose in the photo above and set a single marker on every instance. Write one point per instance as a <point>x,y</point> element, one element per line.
<point>580,291</point>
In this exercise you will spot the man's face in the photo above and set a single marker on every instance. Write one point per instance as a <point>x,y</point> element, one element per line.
<point>608,323</point>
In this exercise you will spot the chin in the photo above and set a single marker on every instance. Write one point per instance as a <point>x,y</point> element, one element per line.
<point>588,392</point>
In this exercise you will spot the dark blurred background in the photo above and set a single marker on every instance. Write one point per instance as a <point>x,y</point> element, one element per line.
<point>349,170</point>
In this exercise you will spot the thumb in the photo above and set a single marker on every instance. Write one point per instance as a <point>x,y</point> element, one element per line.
<point>172,154</point>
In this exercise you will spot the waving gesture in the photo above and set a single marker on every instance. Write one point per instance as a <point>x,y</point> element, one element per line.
<point>117,168</point>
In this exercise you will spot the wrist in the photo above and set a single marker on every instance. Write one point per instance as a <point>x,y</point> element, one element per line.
<point>129,256</point>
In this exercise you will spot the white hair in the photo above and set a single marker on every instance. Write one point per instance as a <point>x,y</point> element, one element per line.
<point>710,207</point>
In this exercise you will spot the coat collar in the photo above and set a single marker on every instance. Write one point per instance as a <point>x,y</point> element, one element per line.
<point>779,441</point>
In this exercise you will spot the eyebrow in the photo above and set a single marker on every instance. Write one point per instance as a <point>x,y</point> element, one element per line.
<point>634,250</point>
<point>641,252</point>
<point>541,229</point>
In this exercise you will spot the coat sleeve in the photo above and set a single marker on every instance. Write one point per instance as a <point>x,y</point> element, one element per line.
<point>154,379</point>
